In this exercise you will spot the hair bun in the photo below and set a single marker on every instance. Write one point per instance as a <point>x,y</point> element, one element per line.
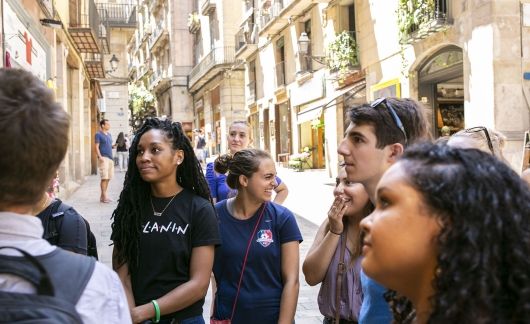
<point>222,163</point>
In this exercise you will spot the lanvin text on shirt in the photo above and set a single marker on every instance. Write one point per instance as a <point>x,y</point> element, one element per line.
<point>171,227</point>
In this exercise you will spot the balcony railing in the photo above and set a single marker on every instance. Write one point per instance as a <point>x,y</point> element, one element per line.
<point>280,74</point>
<point>268,14</point>
<point>157,33</point>
<point>245,36</point>
<point>154,78</point>
<point>218,56</point>
<point>85,29</point>
<point>104,37</point>
<point>94,64</point>
<point>159,78</point>
<point>145,69</point>
<point>118,15</point>
<point>432,17</point>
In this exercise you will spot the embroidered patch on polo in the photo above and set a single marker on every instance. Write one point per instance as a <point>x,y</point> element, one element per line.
<point>265,237</point>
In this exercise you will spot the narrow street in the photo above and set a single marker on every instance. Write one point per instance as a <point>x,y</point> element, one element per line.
<point>309,195</point>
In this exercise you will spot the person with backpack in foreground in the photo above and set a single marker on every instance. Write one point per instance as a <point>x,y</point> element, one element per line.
<point>38,281</point>
<point>65,227</point>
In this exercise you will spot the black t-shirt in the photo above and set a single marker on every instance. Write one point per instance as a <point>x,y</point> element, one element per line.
<point>166,243</point>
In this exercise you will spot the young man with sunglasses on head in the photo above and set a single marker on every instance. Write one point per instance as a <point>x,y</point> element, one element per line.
<point>375,139</point>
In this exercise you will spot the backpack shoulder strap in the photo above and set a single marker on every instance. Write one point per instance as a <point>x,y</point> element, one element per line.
<point>69,272</point>
<point>50,218</point>
<point>59,207</point>
<point>66,274</point>
<point>31,270</point>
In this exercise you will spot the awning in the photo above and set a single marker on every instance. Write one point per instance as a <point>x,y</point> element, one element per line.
<point>315,109</point>
<point>309,115</point>
<point>348,92</point>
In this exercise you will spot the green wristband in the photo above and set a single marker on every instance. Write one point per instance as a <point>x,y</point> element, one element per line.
<point>156,319</point>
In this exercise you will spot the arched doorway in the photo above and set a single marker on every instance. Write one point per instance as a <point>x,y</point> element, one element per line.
<point>441,88</point>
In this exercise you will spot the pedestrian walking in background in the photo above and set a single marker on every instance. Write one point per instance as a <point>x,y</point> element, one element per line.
<point>165,228</point>
<point>238,139</point>
<point>122,151</point>
<point>200,146</point>
<point>82,289</point>
<point>105,161</point>
<point>257,267</point>
<point>451,232</point>
<point>334,258</point>
<point>375,139</point>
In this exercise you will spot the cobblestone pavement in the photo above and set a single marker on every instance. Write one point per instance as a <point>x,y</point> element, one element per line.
<point>86,201</point>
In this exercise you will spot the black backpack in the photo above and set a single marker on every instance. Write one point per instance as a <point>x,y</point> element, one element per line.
<point>59,277</point>
<point>53,224</point>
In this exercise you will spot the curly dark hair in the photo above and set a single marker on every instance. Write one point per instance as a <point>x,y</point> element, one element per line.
<point>483,273</point>
<point>410,112</point>
<point>136,192</point>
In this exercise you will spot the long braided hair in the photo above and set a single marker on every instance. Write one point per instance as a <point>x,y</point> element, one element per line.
<point>127,217</point>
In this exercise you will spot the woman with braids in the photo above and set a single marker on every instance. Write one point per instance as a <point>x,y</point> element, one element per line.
<point>336,252</point>
<point>165,228</point>
<point>238,139</point>
<point>254,229</point>
<point>451,232</point>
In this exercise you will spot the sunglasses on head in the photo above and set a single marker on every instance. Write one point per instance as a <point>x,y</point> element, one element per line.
<point>383,101</point>
<point>485,130</point>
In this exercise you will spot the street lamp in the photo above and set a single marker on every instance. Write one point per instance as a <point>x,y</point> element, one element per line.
<point>113,64</point>
<point>303,43</point>
<point>303,48</point>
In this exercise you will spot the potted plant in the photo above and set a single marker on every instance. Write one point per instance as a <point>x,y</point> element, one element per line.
<point>298,160</point>
<point>342,53</point>
<point>412,16</point>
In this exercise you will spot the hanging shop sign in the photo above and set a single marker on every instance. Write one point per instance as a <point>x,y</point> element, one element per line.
<point>21,46</point>
<point>391,88</point>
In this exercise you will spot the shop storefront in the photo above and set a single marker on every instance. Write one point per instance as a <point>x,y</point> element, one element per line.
<point>441,89</point>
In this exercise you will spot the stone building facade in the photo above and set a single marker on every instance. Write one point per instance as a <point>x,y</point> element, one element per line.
<point>60,42</point>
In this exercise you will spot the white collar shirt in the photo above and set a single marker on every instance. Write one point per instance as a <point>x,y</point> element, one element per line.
<point>102,301</point>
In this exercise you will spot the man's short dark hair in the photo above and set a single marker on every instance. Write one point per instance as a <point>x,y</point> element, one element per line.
<point>409,111</point>
<point>102,122</point>
<point>34,137</point>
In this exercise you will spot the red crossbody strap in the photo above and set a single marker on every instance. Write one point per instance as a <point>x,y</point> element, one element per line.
<point>245,261</point>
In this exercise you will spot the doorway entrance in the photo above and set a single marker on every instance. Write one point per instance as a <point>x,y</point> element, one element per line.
<point>441,89</point>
